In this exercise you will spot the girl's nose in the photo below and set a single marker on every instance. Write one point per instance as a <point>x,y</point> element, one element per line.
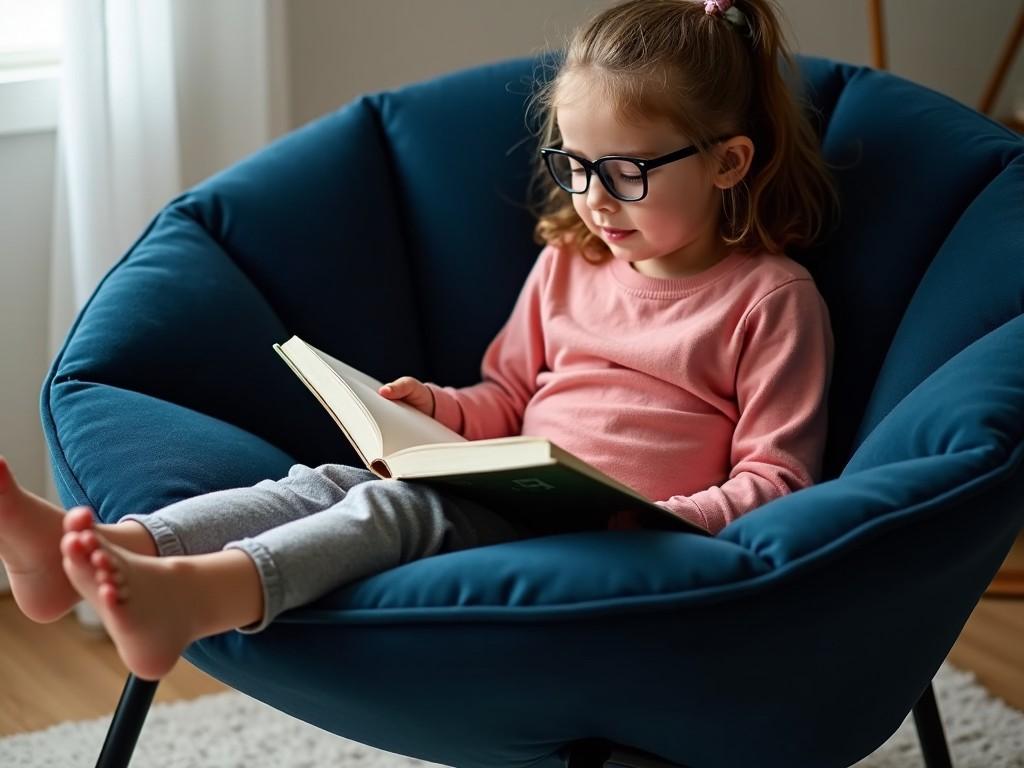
<point>598,198</point>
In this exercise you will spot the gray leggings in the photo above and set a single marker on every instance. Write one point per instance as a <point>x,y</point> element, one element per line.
<point>318,529</point>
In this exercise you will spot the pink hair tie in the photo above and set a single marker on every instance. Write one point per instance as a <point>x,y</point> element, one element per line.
<point>726,9</point>
<point>717,7</point>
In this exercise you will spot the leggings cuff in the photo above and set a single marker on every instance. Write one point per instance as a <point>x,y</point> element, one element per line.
<point>167,542</point>
<point>270,580</point>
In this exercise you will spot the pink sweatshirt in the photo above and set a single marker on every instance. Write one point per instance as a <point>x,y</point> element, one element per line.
<point>706,394</point>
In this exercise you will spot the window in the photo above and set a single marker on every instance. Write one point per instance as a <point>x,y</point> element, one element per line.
<point>30,35</point>
<point>30,43</point>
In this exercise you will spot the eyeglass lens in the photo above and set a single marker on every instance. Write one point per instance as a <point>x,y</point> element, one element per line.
<point>623,178</point>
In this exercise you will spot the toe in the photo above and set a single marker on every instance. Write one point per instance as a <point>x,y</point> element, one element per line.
<point>78,519</point>
<point>100,559</point>
<point>107,576</point>
<point>108,594</point>
<point>71,547</point>
<point>107,568</point>
<point>6,480</point>
<point>89,541</point>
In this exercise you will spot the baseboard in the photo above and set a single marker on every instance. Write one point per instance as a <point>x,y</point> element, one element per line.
<point>88,618</point>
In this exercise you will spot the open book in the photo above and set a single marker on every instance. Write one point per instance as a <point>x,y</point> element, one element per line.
<point>530,478</point>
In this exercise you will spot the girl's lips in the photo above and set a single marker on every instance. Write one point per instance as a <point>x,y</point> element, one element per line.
<point>616,234</point>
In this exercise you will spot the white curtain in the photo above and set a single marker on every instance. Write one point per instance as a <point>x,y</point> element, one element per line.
<point>118,153</point>
<point>134,72</point>
<point>155,95</point>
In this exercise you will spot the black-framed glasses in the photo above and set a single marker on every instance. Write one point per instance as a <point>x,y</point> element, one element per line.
<point>625,178</point>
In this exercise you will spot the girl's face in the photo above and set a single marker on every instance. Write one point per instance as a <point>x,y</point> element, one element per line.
<point>671,232</point>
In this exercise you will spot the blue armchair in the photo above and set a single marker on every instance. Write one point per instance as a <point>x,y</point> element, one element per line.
<point>393,234</point>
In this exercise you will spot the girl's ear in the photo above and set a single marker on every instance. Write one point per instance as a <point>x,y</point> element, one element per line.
<point>734,157</point>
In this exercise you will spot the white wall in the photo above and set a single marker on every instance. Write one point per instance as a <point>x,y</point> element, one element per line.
<point>26,200</point>
<point>342,49</point>
<point>339,50</point>
<point>336,50</point>
<point>949,45</point>
<point>232,89</point>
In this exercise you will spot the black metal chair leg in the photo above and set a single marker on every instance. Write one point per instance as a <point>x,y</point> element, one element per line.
<point>127,723</point>
<point>929,731</point>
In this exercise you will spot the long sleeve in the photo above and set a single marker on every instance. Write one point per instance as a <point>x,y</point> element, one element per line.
<point>782,379</point>
<point>495,406</point>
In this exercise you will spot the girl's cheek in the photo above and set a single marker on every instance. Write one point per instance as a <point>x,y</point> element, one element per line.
<point>582,211</point>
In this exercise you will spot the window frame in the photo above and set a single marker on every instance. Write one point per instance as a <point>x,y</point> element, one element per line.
<point>28,99</point>
<point>29,87</point>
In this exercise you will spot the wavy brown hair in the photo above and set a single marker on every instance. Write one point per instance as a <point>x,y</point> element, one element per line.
<point>710,78</point>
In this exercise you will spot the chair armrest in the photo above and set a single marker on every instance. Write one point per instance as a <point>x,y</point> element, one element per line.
<point>156,440</point>
<point>960,430</point>
<point>177,321</point>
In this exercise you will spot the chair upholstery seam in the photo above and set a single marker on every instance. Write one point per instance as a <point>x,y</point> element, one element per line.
<point>373,108</point>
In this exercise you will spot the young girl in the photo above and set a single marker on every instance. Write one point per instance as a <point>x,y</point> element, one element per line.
<point>661,335</point>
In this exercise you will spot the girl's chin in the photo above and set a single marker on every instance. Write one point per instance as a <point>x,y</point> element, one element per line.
<point>626,252</point>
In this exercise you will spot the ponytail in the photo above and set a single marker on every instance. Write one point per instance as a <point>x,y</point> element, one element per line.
<point>790,196</point>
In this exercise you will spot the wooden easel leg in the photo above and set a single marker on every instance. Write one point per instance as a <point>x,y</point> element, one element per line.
<point>876,26</point>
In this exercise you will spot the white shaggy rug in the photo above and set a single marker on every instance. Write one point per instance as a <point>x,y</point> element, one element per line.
<point>230,730</point>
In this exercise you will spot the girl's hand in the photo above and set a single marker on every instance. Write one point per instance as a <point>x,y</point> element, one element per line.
<point>411,391</point>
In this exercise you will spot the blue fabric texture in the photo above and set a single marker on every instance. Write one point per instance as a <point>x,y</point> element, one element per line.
<point>395,234</point>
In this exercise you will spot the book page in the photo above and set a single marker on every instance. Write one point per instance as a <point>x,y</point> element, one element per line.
<point>470,456</point>
<point>400,425</point>
<point>335,396</point>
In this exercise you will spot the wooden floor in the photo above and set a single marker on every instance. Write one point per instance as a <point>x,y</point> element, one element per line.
<point>990,645</point>
<point>56,672</point>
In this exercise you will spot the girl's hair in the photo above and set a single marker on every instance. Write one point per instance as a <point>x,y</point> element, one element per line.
<point>711,77</point>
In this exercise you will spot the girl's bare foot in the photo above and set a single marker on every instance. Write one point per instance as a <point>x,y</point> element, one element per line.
<point>30,533</point>
<point>154,607</point>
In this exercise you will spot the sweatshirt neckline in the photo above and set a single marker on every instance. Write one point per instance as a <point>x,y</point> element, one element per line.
<point>673,287</point>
